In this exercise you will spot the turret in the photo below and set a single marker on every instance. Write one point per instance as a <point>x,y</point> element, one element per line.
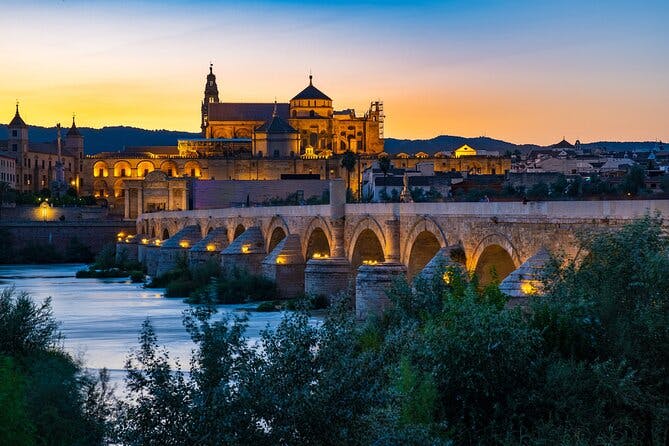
<point>17,134</point>
<point>74,143</point>
<point>210,96</point>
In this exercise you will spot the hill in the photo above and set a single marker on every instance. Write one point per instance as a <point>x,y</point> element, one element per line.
<point>112,139</point>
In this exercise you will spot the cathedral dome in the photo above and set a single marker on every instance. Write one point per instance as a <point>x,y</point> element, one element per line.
<point>311,92</point>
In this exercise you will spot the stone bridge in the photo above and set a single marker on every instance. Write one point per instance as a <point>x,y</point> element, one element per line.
<point>331,248</point>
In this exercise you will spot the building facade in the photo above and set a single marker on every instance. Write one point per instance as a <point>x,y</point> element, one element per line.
<point>8,170</point>
<point>37,163</point>
<point>317,126</point>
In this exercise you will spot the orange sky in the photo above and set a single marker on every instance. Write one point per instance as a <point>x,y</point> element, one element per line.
<point>528,73</point>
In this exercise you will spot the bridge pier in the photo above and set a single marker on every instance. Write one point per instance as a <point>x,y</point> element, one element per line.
<point>371,286</point>
<point>246,252</point>
<point>150,257</point>
<point>127,249</point>
<point>285,266</point>
<point>438,264</point>
<point>176,248</point>
<point>526,281</point>
<point>327,276</point>
<point>209,248</point>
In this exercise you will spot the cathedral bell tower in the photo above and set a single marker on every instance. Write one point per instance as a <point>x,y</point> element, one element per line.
<point>210,96</point>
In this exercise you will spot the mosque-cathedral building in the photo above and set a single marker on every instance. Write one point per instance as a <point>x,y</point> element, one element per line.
<point>240,141</point>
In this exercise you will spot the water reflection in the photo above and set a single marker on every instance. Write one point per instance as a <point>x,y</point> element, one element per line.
<point>101,318</point>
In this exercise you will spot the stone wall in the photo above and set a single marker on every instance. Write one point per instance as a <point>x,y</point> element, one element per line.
<point>94,234</point>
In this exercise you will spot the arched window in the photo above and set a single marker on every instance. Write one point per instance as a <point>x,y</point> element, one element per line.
<point>312,113</point>
<point>294,113</point>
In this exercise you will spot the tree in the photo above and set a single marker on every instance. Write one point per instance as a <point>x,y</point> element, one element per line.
<point>384,165</point>
<point>633,183</point>
<point>348,161</point>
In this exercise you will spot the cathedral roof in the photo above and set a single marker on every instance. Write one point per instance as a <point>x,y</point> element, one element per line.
<point>17,121</point>
<point>235,111</point>
<point>311,92</point>
<point>276,125</point>
<point>73,130</point>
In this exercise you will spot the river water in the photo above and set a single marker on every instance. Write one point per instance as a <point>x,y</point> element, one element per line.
<point>101,318</point>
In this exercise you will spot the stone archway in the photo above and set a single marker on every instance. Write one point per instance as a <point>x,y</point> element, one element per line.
<point>371,225</point>
<point>317,223</point>
<point>318,245</point>
<point>367,248</point>
<point>425,224</point>
<point>275,238</point>
<point>425,246</point>
<point>493,265</point>
<point>239,230</point>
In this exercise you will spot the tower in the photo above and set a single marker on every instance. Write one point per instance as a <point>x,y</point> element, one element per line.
<point>74,143</point>
<point>17,146</point>
<point>18,135</point>
<point>210,96</point>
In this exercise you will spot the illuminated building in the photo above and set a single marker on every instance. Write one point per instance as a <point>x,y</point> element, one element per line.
<point>37,162</point>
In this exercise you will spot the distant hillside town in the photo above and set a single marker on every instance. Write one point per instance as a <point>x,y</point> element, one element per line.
<point>295,148</point>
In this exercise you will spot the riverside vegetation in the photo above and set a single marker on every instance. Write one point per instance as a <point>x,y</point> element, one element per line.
<point>208,283</point>
<point>447,364</point>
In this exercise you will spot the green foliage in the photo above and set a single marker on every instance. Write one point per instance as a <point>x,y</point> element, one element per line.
<point>15,424</point>
<point>538,191</point>
<point>45,396</point>
<point>633,183</point>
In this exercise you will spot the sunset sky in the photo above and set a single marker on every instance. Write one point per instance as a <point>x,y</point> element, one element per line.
<point>523,71</point>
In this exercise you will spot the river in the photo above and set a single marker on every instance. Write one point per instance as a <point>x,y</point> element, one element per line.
<point>100,318</point>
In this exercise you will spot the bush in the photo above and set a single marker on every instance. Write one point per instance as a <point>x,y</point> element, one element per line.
<point>137,276</point>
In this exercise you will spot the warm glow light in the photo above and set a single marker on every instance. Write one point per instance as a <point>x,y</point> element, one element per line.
<point>281,260</point>
<point>211,247</point>
<point>528,287</point>
<point>447,277</point>
<point>157,242</point>
<point>246,249</point>
<point>120,234</point>
<point>145,241</point>
<point>370,262</point>
<point>184,244</point>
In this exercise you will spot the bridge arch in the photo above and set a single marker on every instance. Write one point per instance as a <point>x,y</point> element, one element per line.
<point>367,247</point>
<point>425,224</point>
<point>424,247</point>
<point>366,226</point>
<point>493,252</point>
<point>239,230</point>
<point>317,239</point>
<point>276,223</point>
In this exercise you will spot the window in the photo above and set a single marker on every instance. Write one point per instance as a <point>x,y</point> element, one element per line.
<point>192,172</point>
<point>101,172</point>
<point>42,164</point>
<point>276,154</point>
<point>15,147</point>
<point>169,172</point>
<point>312,113</point>
<point>122,172</point>
<point>14,133</point>
<point>146,172</point>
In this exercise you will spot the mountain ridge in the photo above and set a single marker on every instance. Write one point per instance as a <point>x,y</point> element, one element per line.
<point>115,138</point>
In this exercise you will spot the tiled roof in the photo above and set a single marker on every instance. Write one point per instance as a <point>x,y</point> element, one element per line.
<point>48,147</point>
<point>276,125</point>
<point>17,121</point>
<point>311,92</point>
<point>73,130</point>
<point>246,111</point>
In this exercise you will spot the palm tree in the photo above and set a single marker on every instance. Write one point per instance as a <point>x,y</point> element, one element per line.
<point>384,165</point>
<point>348,161</point>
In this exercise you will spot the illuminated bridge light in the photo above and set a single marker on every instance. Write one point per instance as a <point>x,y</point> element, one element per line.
<point>211,247</point>
<point>184,244</point>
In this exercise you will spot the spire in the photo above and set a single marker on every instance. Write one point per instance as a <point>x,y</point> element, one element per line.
<point>310,78</point>
<point>73,131</point>
<point>274,111</point>
<point>211,68</point>
<point>17,121</point>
